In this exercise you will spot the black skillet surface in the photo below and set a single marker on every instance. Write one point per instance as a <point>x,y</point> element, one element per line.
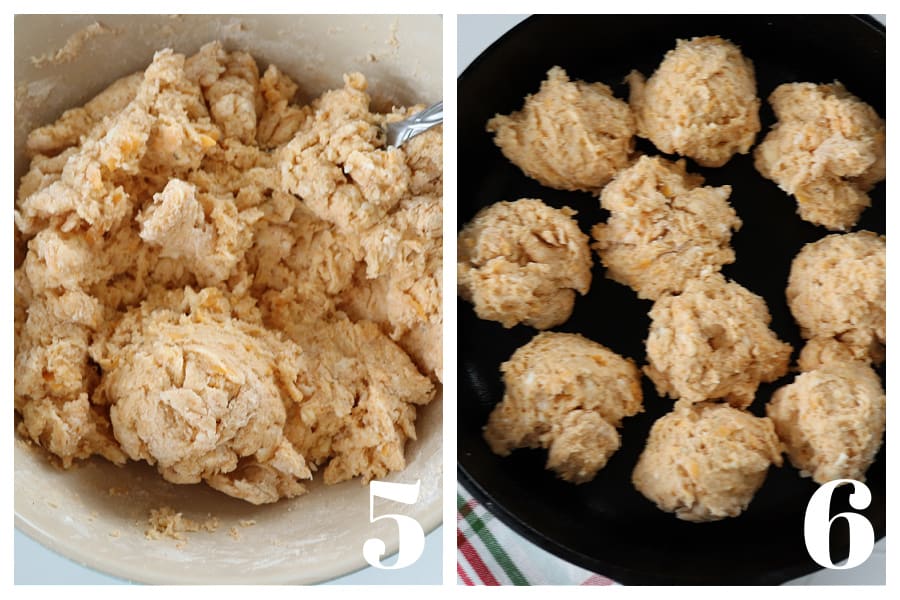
<point>606,525</point>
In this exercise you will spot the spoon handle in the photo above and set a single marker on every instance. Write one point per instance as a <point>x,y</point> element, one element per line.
<point>401,131</point>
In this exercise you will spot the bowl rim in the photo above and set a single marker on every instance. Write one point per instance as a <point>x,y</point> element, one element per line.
<point>138,573</point>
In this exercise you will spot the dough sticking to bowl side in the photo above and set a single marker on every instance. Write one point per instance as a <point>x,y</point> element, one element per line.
<point>387,203</point>
<point>831,420</point>
<point>186,241</point>
<point>837,290</point>
<point>827,150</point>
<point>713,341</point>
<point>567,394</point>
<point>705,462</point>
<point>523,262</point>
<point>664,229</point>
<point>700,102</point>
<point>571,135</point>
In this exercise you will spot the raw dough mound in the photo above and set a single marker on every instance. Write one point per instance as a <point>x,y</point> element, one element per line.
<point>836,289</point>
<point>820,351</point>
<point>200,392</point>
<point>571,135</point>
<point>831,420</point>
<point>337,164</point>
<point>207,233</point>
<point>701,102</point>
<point>705,461</point>
<point>568,394</point>
<point>713,341</point>
<point>522,262</point>
<point>827,150</point>
<point>387,203</point>
<point>663,229</point>
<point>401,286</point>
<point>360,392</point>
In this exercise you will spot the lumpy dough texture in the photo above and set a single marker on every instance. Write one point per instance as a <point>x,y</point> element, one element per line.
<point>200,393</point>
<point>700,102</point>
<point>837,291</point>
<point>523,262</point>
<point>820,351</point>
<point>827,150</point>
<point>831,420</point>
<point>567,394</point>
<point>663,228</point>
<point>363,394</point>
<point>713,341</point>
<point>387,203</point>
<point>705,462</point>
<point>233,287</point>
<point>570,135</point>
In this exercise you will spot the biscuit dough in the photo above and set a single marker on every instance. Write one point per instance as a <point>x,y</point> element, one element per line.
<point>700,102</point>
<point>837,290</point>
<point>713,341</point>
<point>663,228</point>
<point>827,150</point>
<point>186,242</point>
<point>523,262</point>
<point>198,387</point>
<point>705,462</point>
<point>166,522</point>
<point>831,420</point>
<point>388,202</point>
<point>362,391</point>
<point>567,394</point>
<point>820,351</point>
<point>570,135</point>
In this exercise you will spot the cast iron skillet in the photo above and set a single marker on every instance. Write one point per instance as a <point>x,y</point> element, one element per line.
<point>606,525</point>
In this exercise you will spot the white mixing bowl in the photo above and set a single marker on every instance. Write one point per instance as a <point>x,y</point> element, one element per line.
<point>96,513</point>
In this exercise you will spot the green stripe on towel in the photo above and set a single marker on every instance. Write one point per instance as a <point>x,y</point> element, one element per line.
<point>490,542</point>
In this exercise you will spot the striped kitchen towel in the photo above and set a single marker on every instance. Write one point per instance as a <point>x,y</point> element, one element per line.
<point>490,553</point>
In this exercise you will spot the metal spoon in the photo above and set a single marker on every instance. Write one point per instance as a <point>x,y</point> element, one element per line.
<point>401,131</point>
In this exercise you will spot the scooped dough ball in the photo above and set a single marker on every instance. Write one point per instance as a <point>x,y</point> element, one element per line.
<point>827,150</point>
<point>705,462</point>
<point>701,102</point>
<point>663,229</point>
<point>713,341</point>
<point>836,289</point>
<point>831,420</point>
<point>571,135</point>
<point>200,392</point>
<point>522,262</point>
<point>568,394</point>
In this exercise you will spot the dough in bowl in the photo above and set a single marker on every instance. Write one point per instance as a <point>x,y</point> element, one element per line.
<point>568,394</point>
<point>837,290</point>
<point>705,461</point>
<point>827,150</point>
<point>523,262</point>
<point>713,341</point>
<point>186,241</point>
<point>663,228</point>
<point>571,135</point>
<point>196,386</point>
<point>700,102</point>
<point>831,420</point>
